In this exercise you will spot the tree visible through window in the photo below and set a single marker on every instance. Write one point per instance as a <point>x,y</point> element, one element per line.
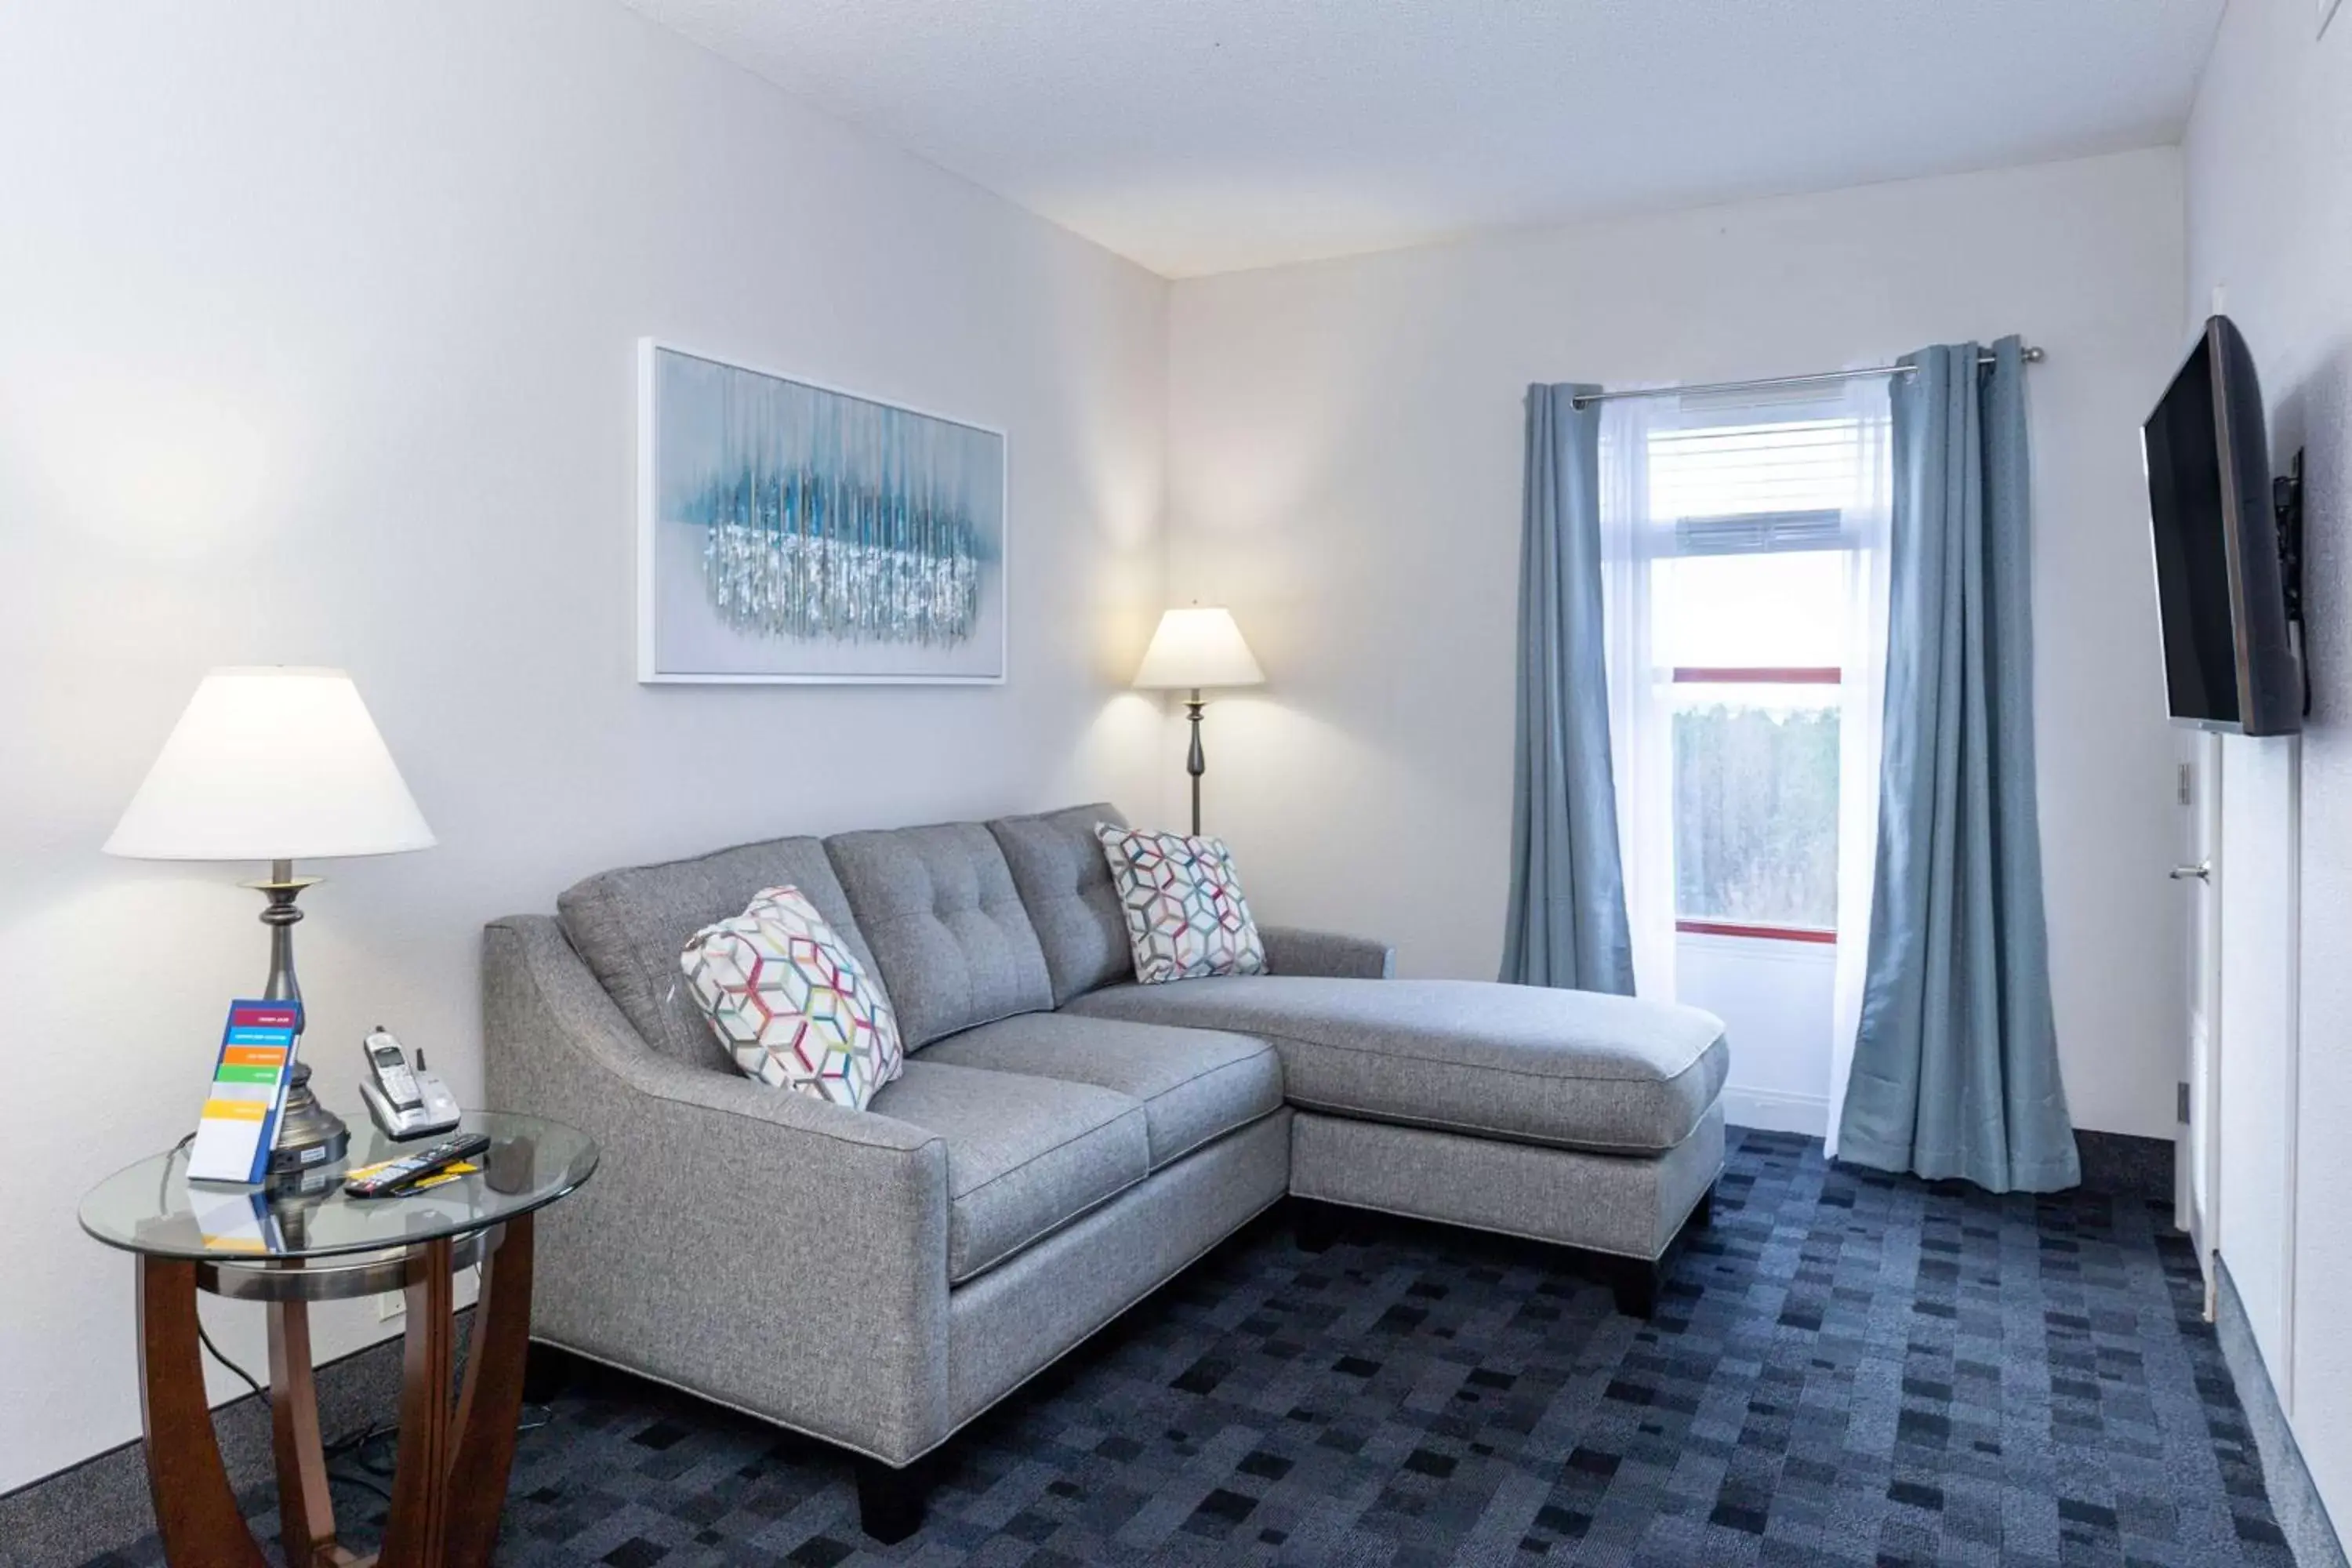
<point>1756,798</point>
<point>1748,599</point>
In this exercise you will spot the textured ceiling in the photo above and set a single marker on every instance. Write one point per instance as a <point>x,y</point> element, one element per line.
<point>1201,136</point>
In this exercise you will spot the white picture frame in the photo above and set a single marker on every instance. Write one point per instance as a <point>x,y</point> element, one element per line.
<point>684,638</point>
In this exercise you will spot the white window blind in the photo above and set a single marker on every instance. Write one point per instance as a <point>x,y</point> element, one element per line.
<point>1759,533</point>
<point>1753,485</point>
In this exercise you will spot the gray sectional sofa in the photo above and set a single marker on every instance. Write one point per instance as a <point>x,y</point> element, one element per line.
<point>1062,1142</point>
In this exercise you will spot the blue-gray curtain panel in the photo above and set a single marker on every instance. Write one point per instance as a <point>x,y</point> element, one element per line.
<point>1567,925</point>
<point>1955,1061</point>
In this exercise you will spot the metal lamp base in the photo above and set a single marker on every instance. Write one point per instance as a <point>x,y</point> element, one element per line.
<point>310,1136</point>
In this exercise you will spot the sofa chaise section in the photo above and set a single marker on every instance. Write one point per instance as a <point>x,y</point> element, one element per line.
<point>1526,1064</point>
<point>1587,1121</point>
<point>1628,1211</point>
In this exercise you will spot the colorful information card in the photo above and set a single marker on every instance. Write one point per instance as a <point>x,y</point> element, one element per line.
<point>240,1126</point>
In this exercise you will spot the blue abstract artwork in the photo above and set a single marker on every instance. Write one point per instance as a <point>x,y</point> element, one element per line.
<point>791,532</point>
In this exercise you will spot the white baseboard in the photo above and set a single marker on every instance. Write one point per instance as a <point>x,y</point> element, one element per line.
<point>1777,1110</point>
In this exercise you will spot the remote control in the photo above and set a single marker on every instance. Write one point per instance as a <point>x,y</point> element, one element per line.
<point>404,1172</point>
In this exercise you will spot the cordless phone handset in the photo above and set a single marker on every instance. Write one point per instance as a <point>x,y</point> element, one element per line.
<point>404,1101</point>
<point>393,1077</point>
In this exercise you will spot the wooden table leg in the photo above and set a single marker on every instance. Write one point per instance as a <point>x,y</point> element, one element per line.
<point>490,1407</point>
<point>195,1510</point>
<point>305,1510</point>
<point>414,1536</point>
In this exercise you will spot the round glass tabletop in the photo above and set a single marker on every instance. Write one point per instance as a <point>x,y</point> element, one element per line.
<point>152,1207</point>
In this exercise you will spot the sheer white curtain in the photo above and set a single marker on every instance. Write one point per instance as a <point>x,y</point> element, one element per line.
<point>1711,461</point>
<point>1862,690</point>
<point>1641,718</point>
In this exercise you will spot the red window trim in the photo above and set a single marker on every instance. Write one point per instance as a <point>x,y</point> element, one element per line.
<point>1743,675</point>
<point>1757,933</point>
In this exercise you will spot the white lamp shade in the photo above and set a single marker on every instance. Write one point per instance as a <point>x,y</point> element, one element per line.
<point>271,764</point>
<point>1198,648</point>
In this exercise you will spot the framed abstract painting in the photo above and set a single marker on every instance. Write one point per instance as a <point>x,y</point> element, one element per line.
<point>793,533</point>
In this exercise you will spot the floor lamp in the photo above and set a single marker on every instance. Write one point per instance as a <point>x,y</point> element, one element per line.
<point>1194,650</point>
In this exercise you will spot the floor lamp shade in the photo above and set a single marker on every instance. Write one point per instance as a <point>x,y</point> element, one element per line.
<point>271,764</point>
<point>1195,649</point>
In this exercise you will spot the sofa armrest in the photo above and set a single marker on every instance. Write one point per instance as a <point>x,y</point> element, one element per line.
<point>767,1249</point>
<point>1294,950</point>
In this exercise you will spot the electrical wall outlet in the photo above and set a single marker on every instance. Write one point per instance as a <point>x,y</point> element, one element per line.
<point>390,1305</point>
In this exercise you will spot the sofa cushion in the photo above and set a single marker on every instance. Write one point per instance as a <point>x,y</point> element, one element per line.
<point>630,925</point>
<point>1196,1085</point>
<point>791,1003</point>
<point>1064,883</point>
<point>1522,1062</point>
<point>938,907</point>
<point>1026,1155</point>
<point>1186,918</point>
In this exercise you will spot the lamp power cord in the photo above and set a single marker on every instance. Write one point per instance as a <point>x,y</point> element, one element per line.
<point>204,1335</point>
<point>355,1448</point>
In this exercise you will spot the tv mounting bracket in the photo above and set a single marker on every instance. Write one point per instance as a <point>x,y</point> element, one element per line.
<point>2286,506</point>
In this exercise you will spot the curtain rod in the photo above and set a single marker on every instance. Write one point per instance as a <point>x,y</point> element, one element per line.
<point>2033,356</point>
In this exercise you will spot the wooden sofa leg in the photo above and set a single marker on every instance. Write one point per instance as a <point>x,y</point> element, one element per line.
<point>1704,1216</point>
<point>890,1500</point>
<point>1315,1225</point>
<point>1635,1282</point>
<point>547,1370</point>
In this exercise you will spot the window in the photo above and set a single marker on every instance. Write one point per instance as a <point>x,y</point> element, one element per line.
<point>1744,568</point>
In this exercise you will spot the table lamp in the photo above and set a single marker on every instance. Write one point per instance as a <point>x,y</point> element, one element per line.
<point>279,765</point>
<point>1193,650</point>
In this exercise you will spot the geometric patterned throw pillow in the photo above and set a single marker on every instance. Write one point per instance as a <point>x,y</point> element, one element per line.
<point>790,1002</point>
<point>1186,918</point>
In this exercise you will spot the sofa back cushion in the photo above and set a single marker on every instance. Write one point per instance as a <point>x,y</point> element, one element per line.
<point>1065,882</point>
<point>938,908</point>
<point>630,926</point>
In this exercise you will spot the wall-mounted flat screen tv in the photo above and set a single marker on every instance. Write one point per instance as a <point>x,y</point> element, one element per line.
<point>2230,659</point>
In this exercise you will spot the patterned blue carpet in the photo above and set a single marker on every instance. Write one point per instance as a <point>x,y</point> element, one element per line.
<point>1847,1369</point>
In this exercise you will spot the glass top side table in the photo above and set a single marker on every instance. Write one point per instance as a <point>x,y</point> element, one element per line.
<point>301,1240</point>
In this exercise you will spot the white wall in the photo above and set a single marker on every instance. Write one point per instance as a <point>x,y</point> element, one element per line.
<point>2269,161</point>
<point>1345,459</point>
<point>316,326</point>
<point>1777,1000</point>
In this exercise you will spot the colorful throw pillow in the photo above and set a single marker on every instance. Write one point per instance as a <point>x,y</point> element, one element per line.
<point>792,1003</point>
<point>1186,918</point>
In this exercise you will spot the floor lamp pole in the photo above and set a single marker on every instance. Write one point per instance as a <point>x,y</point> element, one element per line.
<point>1195,763</point>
